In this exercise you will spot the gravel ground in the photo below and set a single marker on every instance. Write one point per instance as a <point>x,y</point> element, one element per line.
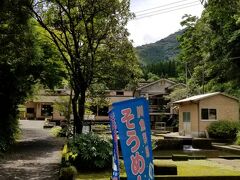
<point>36,156</point>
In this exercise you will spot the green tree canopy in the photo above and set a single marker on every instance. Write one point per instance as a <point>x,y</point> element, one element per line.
<point>89,35</point>
<point>21,64</point>
<point>210,47</point>
<point>16,58</point>
<point>49,67</point>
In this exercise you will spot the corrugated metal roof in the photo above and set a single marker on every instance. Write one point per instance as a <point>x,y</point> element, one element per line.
<point>202,96</point>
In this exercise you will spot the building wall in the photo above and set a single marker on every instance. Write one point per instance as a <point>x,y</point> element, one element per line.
<point>37,111</point>
<point>159,87</point>
<point>38,115</point>
<point>116,99</point>
<point>115,93</point>
<point>30,115</point>
<point>114,96</point>
<point>227,109</point>
<point>57,115</point>
<point>193,109</point>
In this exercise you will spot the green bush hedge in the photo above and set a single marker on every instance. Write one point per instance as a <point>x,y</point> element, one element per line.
<point>88,152</point>
<point>238,138</point>
<point>223,129</point>
<point>9,131</point>
<point>68,173</point>
<point>56,131</point>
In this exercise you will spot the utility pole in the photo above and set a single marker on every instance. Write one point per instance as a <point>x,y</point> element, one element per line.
<point>186,76</point>
<point>204,2</point>
<point>203,76</point>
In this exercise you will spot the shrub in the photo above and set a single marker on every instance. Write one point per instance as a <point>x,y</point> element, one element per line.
<point>100,128</point>
<point>56,131</point>
<point>67,128</point>
<point>154,144</point>
<point>68,173</point>
<point>223,129</point>
<point>89,152</point>
<point>238,138</point>
<point>9,131</point>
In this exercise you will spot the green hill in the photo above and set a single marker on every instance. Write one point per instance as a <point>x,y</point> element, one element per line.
<point>162,50</point>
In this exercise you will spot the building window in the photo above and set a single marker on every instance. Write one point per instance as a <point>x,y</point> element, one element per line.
<point>186,116</point>
<point>103,111</point>
<point>30,110</point>
<point>204,113</point>
<point>46,110</point>
<point>207,114</point>
<point>99,111</point>
<point>119,93</point>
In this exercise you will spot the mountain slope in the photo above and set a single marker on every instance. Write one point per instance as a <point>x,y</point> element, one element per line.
<point>162,50</point>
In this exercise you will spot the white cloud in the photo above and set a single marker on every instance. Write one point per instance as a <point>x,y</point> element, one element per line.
<point>154,28</point>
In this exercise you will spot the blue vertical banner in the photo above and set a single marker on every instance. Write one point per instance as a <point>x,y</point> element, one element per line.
<point>133,124</point>
<point>115,165</point>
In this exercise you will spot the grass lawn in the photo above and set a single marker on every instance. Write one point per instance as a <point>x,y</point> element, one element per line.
<point>92,176</point>
<point>201,168</point>
<point>184,168</point>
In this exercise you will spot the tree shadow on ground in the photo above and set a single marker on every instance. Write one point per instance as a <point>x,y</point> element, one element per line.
<point>33,158</point>
<point>36,148</point>
<point>43,172</point>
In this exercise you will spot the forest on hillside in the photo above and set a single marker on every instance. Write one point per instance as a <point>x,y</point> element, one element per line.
<point>158,60</point>
<point>162,50</point>
<point>209,51</point>
<point>210,48</point>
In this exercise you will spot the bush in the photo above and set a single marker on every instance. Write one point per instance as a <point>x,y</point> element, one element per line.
<point>223,129</point>
<point>9,131</point>
<point>238,138</point>
<point>56,131</point>
<point>99,128</point>
<point>68,173</point>
<point>89,152</point>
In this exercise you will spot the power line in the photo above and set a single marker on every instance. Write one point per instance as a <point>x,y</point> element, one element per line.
<point>204,2</point>
<point>169,8</point>
<point>141,17</point>
<point>160,6</point>
<point>233,58</point>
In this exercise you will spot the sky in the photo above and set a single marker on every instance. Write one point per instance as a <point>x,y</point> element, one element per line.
<point>153,28</point>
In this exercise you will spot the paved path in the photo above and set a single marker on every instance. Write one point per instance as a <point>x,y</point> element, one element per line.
<point>36,156</point>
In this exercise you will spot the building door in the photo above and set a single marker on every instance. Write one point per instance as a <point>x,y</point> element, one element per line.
<point>187,123</point>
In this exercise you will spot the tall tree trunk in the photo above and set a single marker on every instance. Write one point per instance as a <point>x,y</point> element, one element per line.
<point>78,107</point>
<point>75,112</point>
<point>81,110</point>
<point>69,106</point>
